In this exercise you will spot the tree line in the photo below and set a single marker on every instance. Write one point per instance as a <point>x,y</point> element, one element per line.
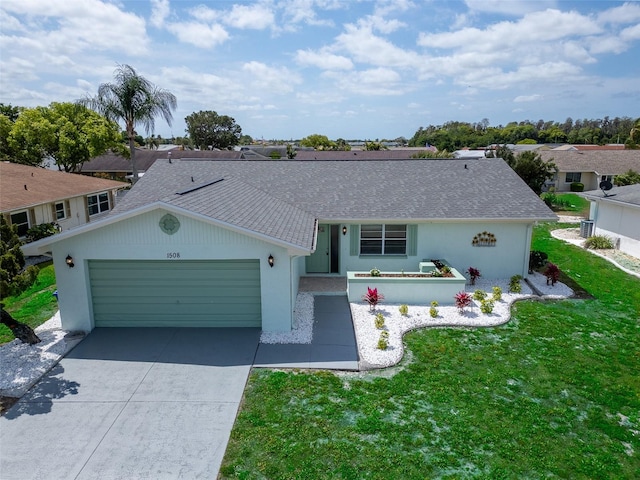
<point>455,135</point>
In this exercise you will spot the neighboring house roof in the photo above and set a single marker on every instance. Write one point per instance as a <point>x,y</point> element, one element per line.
<point>111,162</point>
<point>604,162</point>
<point>392,154</point>
<point>23,186</point>
<point>401,190</point>
<point>629,194</point>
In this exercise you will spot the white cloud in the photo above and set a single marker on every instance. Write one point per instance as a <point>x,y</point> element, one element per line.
<point>199,34</point>
<point>528,98</point>
<point>624,14</point>
<point>205,14</point>
<point>256,17</point>
<point>323,60</point>
<point>160,10</point>
<point>365,47</point>
<point>76,25</point>
<point>303,12</point>
<point>269,79</point>
<point>375,81</point>
<point>514,8</point>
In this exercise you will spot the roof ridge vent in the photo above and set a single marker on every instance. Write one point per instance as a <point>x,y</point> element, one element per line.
<point>198,187</point>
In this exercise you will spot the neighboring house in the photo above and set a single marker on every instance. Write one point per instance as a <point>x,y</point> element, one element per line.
<point>224,243</point>
<point>616,214</point>
<point>118,167</point>
<point>30,196</point>
<point>589,167</point>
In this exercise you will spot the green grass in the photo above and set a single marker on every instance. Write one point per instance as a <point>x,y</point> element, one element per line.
<point>573,204</point>
<point>34,306</point>
<point>555,393</point>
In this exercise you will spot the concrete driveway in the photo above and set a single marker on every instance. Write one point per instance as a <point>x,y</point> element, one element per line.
<point>135,403</point>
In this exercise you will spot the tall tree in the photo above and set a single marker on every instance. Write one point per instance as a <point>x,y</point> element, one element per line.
<point>69,133</point>
<point>207,129</point>
<point>318,142</point>
<point>533,170</point>
<point>134,100</point>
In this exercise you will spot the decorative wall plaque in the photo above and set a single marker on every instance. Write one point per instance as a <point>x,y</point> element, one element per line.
<point>484,239</point>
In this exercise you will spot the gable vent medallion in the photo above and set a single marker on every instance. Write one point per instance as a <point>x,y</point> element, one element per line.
<point>169,224</point>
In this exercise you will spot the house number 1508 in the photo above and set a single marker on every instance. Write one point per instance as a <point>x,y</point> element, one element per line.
<point>173,255</point>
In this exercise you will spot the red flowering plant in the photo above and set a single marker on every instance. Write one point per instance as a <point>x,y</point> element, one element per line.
<point>463,300</point>
<point>552,272</point>
<point>473,274</point>
<point>372,297</point>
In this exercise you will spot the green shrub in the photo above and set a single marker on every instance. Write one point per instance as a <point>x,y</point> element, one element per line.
<point>577,187</point>
<point>374,272</point>
<point>404,310</point>
<point>486,306</point>
<point>497,294</point>
<point>598,242</point>
<point>383,341</point>
<point>479,295</point>
<point>379,320</point>
<point>43,230</point>
<point>514,284</point>
<point>537,259</point>
<point>433,310</point>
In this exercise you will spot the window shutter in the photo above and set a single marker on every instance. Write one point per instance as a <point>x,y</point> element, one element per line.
<point>355,240</point>
<point>412,240</point>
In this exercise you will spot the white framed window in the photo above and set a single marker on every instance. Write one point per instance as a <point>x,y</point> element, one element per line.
<point>60,210</point>
<point>383,239</point>
<point>98,203</point>
<point>21,221</point>
<point>606,178</point>
<point>573,177</point>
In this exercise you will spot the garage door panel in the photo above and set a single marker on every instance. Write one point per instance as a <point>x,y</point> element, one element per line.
<point>176,293</point>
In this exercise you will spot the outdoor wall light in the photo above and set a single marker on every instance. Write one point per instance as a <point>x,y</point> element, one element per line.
<point>271,261</point>
<point>69,261</point>
<point>344,230</point>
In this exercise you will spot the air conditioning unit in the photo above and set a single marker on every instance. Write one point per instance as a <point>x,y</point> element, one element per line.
<point>586,228</point>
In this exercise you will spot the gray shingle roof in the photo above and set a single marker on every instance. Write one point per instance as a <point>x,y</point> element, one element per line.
<point>628,194</point>
<point>605,162</point>
<point>343,191</point>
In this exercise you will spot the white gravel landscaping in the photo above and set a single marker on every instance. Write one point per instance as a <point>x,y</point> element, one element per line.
<point>23,364</point>
<point>396,325</point>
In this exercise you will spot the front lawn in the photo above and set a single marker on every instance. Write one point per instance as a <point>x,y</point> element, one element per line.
<point>555,393</point>
<point>34,306</point>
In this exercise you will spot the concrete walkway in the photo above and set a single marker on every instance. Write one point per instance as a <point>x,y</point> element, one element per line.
<point>153,403</point>
<point>333,346</point>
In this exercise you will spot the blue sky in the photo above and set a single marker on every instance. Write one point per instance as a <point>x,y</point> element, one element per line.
<point>355,69</point>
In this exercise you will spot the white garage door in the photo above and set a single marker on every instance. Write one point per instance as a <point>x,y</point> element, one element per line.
<point>220,293</point>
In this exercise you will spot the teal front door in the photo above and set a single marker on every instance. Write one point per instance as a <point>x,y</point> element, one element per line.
<point>320,260</point>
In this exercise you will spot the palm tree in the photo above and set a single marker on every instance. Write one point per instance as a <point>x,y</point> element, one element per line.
<point>133,99</point>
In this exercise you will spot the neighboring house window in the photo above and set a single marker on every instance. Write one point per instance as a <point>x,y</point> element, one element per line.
<point>60,210</point>
<point>98,203</point>
<point>383,240</point>
<point>573,177</point>
<point>21,221</point>
<point>606,178</point>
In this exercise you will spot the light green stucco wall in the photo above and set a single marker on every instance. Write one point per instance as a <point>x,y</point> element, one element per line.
<point>452,241</point>
<point>140,238</point>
